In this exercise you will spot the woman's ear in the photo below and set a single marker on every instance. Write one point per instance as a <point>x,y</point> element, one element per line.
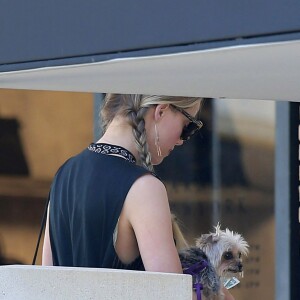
<point>160,110</point>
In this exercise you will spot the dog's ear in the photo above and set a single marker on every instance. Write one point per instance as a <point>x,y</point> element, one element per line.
<point>209,238</point>
<point>215,237</point>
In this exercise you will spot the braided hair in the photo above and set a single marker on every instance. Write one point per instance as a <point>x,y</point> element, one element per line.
<point>134,108</point>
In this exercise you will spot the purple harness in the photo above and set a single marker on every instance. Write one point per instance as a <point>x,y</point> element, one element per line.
<point>194,270</point>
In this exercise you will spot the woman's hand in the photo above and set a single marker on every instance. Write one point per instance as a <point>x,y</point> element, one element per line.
<point>227,295</point>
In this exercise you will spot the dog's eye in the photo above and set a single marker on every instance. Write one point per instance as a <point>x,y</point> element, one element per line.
<point>240,254</point>
<point>228,255</point>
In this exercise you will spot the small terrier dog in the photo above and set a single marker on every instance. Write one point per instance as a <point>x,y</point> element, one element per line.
<point>223,249</point>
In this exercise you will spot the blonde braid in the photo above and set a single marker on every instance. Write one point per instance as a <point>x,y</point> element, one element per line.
<point>136,115</point>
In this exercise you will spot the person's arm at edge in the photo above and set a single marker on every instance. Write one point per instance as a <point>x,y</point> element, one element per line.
<point>47,253</point>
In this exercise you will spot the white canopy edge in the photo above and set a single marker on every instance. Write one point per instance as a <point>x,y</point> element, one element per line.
<point>268,71</point>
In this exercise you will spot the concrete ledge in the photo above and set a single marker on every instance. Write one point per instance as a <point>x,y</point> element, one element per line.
<point>37,282</point>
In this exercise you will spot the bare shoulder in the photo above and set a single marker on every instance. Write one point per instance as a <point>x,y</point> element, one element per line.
<point>148,183</point>
<point>147,191</point>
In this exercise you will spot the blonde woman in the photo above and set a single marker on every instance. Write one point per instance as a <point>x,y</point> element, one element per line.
<point>107,207</point>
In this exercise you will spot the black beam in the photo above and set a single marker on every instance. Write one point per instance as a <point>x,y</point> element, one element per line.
<point>40,30</point>
<point>294,201</point>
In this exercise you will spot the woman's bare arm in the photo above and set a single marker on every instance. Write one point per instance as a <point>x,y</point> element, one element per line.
<point>147,209</point>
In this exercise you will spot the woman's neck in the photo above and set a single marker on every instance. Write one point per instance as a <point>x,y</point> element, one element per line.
<point>119,133</point>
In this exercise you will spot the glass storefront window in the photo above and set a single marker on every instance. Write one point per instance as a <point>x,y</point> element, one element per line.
<point>226,174</point>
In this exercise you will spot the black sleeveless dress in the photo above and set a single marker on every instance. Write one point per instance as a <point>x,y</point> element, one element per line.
<point>86,199</point>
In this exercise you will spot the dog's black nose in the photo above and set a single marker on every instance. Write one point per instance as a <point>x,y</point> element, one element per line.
<point>240,266</point>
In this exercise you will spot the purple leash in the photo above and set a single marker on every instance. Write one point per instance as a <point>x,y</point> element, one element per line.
<point>193,270</point>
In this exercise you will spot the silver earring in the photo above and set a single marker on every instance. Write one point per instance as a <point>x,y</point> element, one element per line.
<point>157,141</point>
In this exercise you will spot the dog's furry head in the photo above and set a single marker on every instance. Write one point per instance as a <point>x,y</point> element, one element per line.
<point>224,249</point>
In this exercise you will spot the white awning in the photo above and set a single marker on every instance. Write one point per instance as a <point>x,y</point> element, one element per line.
<point>268,71</point>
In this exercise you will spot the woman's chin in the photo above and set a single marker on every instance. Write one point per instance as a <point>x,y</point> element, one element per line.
<point>157,160</point>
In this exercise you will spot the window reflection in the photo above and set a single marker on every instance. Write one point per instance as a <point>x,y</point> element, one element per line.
<point>226,174</point>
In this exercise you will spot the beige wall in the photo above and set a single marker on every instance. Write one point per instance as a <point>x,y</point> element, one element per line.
<point>54,125</point>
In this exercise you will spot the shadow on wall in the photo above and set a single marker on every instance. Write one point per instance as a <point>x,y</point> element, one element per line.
<point>7,260</point>
<point>12,158</point>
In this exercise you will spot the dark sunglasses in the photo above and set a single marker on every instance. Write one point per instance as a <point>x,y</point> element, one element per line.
<point>192,127</point>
